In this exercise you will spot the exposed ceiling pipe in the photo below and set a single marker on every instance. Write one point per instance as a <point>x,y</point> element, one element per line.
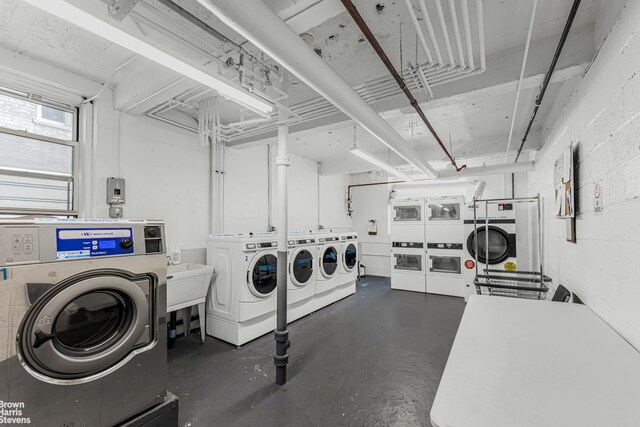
<point>547,77</point>
<point>456,32</point>
<point>419,33</point>
<point>524,66</point>
<point>387,62</point>
<point>489,170</point>
<point>467,32</point>
<point>445,32</point>
<point>480,15</point>
<point>432,34</point>
<point>256,22</point>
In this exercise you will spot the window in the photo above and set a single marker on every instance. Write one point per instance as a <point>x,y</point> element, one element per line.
<point>39,157</point>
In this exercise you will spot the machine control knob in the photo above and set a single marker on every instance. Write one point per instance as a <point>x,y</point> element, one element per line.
<point>152,231</point>
<point>126,243</point>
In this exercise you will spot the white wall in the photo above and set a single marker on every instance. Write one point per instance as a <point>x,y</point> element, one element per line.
<point>166,172</point>
<point>602,118</point>
<point>313,199</point>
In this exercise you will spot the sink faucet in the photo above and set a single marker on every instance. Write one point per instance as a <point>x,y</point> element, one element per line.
<point>169,260</point>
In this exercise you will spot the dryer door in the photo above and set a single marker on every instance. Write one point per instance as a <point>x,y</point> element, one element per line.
<point>502,245</point>
<point>301,267</point>
<point>87,325</point>
<point>262,275</point>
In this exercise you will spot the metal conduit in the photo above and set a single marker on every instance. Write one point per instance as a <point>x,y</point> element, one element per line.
<point>547,77</point>
<point>348,4</point>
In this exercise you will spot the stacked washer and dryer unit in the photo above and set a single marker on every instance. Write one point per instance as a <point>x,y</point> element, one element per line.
<point>83,309</point>
<point>241,304</point>
<point>430,245</point>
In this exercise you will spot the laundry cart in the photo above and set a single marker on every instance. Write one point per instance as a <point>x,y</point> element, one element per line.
<point>508,282</point>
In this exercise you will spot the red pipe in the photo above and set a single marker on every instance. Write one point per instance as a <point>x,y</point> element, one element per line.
<point>387,62</point>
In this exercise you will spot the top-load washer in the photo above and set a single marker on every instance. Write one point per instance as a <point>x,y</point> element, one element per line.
<point>82,309</point>
<point>301,275</point>
<point>241,304</point>
<point>498,228</point>
<point>328,275</point>
<point>348,265</point>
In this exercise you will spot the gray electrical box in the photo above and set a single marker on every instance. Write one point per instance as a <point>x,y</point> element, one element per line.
<point>116,211</point>
<point>115,191</point>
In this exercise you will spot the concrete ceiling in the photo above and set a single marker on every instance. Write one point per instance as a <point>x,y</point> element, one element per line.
<point>472,120</point>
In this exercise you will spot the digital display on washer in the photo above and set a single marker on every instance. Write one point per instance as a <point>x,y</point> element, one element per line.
<point>78,243</point>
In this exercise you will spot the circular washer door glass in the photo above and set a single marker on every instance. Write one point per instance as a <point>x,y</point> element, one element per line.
<point>350,256</point>
<point>264,275</point>
<point>330,260</point>
<point>498,245</point>
<point>302,266</point>
<point>92,321</point>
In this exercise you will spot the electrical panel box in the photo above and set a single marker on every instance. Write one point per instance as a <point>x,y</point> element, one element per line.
<point>115,191</point>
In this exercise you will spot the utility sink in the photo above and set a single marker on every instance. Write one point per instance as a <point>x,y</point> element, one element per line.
<point>187,285</point>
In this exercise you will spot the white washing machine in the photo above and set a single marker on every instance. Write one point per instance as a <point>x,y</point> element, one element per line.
<point>82,320</point>
<point>241,304</point>
<point>301,275</point>
<point>501,234</point>
<point>328,275</point>
<point>348,265</point>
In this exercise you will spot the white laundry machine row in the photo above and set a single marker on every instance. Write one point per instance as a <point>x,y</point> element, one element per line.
<point>498,228</point>
<point>241,304</point>
<point>82,319</point>
<point>348,265</point>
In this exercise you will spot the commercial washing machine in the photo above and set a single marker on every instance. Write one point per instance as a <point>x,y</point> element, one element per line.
<point>328,275</point>
<point>241,303</point>
<point>348,265</point>
<point>501,235</point>
<point>82,318</point>
<point>301,287</point>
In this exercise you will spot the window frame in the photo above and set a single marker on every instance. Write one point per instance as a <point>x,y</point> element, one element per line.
<point>27,173</point>
<point>52,123</point>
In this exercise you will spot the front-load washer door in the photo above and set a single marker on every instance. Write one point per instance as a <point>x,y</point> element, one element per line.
<point>87,326</point>
<point>350,257</point>
<point>501,245</point>
<point>329,261</point>
<point>301,267</point>
<point>262,275</point>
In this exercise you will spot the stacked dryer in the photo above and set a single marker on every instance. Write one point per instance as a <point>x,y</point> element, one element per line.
<point>408,245</point>
<point>498,228</point>
<point>445,245</point>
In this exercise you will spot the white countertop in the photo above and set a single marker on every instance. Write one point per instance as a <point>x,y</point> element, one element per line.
<point>537,363</point>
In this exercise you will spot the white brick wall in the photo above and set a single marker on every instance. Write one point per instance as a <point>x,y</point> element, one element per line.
<point>602,118</point>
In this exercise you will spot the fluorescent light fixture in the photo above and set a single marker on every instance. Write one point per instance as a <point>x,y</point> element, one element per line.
<point>375,161</point>
<point>88,22</point>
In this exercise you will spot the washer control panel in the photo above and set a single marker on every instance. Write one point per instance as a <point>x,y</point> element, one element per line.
<point>21,245</point>
<point>75,243</point>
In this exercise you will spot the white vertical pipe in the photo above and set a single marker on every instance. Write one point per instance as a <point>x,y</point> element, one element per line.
<point>456,32</point>
<point>467,32</point>
<point>522,70</point>
<point>432,34</point>
<point>480,14</point>
<point>281,333</point>
<point>445,32</point>
<point>419,33</point>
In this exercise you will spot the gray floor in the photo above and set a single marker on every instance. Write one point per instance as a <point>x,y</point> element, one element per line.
<point>374,358</point>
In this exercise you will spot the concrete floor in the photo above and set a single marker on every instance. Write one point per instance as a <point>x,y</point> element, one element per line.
<point>374,358</point>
